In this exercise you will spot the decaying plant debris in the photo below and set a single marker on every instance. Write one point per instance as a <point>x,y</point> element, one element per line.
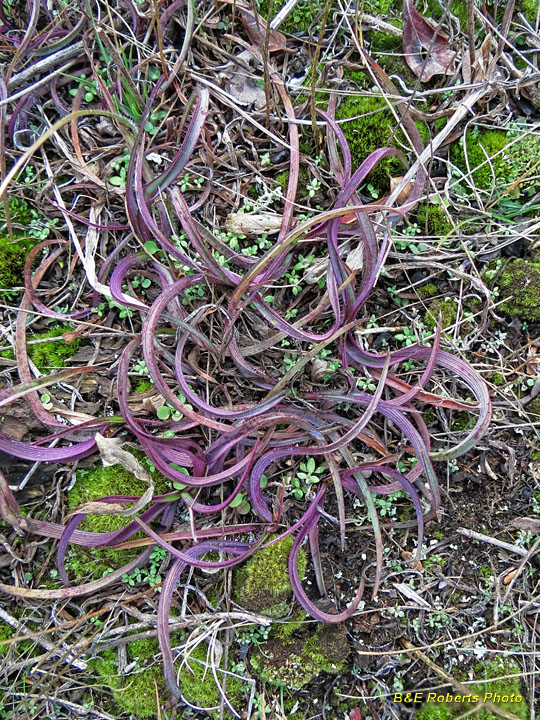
<point>268,295</point>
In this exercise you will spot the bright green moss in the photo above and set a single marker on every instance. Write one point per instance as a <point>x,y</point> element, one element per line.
<point>299,19</point>
<point>498,685</point>
<point>135,692</point>
<point>360,78</point>
<point>262,584</point>
<point>370,129</point>
<point>459,9</point>
<point>12,258</point>
<point>530,10</point>
<point>47,355</point>
<point>26,647</point>
<point>519,286</point>
<point>484,151</point>
<point>282,179</point>
<point>512,157</point>
<point>288,628</point>
<point>434,220</point>
<point>427,291</point>
<point>521,158</point>
<point>91,485</point>
<point>497,379</point>
<point>198,685</point>
<point>296,661</point>
<point>143,386</point>
<point>6,633</point>
<point>461,421</point>
<point>13,252</point>
<point>372,126</point>
<point>448,310</point>
<point>386,42</point>
<point>53,354</point>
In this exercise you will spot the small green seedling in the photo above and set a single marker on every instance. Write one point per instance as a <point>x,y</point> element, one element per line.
<point>309,474</point>
<point>241,503</point>
<point>406,337</point>
<point>313,187</point>
<point>167,411</point>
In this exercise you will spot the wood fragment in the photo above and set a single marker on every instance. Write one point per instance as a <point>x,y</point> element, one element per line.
<point>493,541</point>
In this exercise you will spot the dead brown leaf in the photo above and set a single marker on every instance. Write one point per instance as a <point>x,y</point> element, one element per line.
<point>404,194</point>
<point>508,578</point>
<point>245,90</point>
<point>257,28</point>
<point>98,508</point>
<point>526,523</point>
<point>427,50</point>
<point>253,224</point>
<point>411,562</point>
<point>479,70</point>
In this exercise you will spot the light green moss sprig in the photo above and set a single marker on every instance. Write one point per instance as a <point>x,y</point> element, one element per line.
<point>432,218</point>
<point>143,386</point>
<point>262,584</point>
<point>47,355</point>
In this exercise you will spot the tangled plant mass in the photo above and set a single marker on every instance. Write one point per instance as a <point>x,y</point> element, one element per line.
<point>232,422</point>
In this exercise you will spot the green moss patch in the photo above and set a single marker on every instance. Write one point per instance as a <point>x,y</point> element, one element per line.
<point>12,259</point>
<point>427,291</point>
<point>372,126</point>
<point>433,220</point>
<point>293,662</point>
<point>135,692</point>
<point>199,687</point>
<point>448,310</point>
<point>13,252</point>
<point>519,286</point>
<point>500,158</point>
<point>262,584</point>
<point>498,689</point>
<point>91,485</point>
<point>53,354</point>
